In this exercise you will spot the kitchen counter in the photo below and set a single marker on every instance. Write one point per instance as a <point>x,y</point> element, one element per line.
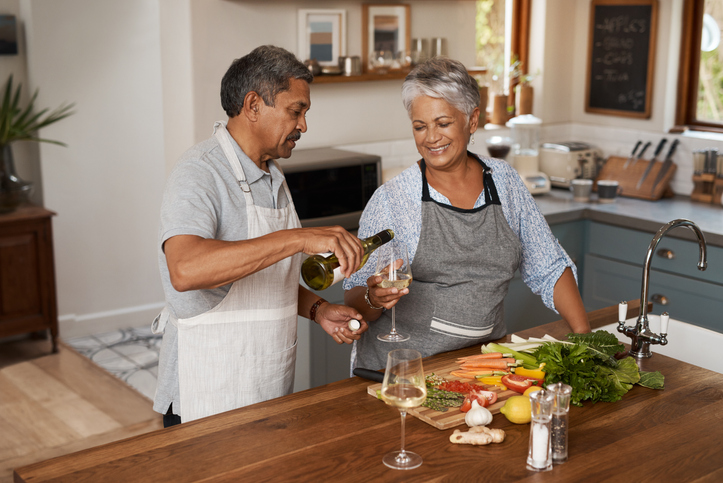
<point>558,207</point>
<point>338,432</point>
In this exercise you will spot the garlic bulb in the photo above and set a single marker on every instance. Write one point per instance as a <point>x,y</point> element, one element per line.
<point>477,415</point>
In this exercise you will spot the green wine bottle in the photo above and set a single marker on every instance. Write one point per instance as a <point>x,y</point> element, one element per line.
<point>321,271</point>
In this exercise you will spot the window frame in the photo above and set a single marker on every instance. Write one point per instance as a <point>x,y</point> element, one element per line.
<point>689,69</point>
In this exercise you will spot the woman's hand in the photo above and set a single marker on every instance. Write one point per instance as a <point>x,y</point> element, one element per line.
<point>383,297</point>
<point>334,319</point>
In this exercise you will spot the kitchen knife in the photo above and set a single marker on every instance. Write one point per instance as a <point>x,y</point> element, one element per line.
<point>651,163</point>
<point>640,154</point>
<point>375,376</point>
<point>630,158</point>
<point>666,164</point>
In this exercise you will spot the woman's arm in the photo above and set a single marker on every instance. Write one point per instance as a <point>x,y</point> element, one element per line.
<point>569,304</point>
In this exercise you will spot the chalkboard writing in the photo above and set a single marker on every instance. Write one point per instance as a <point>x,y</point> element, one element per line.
<point>621,58</point>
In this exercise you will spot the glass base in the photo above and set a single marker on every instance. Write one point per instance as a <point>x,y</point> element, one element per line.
<point>395,337</point>
<point>402,461</point>
<point>538,466</point>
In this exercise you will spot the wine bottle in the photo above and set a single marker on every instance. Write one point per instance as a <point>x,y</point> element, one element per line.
<point>321,271</point>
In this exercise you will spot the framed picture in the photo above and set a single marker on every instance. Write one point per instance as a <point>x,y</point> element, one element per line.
<point>322,35</point>
<point>8,35</point>
<point>385,28</point>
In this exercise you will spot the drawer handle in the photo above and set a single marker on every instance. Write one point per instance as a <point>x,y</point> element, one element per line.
<point>666,253</point>
<point>657,298</point>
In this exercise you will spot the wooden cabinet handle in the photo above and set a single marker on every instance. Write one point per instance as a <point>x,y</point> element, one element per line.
<point>666,253</point>
<point>657,298</point>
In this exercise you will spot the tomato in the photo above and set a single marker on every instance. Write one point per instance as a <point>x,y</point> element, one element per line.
<point>483,398</point>
<point>519,383</point>
<point>458,386</point>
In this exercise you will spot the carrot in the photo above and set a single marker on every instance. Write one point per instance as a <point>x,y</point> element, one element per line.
<point>491,355</point>
<point>465,374</point>
<point>492,364</point>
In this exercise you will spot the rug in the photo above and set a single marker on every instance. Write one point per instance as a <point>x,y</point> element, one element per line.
<point>129,354</point>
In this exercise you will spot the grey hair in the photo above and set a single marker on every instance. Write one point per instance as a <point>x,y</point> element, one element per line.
<point>442,78</point>
<point>266,70</point>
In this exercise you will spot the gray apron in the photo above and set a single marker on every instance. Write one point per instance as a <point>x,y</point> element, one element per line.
<point>462,269</point>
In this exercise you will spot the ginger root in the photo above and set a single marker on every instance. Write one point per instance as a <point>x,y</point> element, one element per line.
<point>477,435</point>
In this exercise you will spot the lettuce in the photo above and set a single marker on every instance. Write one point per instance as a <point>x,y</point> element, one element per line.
<point>588,365</point>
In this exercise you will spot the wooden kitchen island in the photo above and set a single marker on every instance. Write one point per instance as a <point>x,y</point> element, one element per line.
<point>338,432</point>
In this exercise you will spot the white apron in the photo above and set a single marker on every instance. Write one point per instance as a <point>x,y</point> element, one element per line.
<point>243,350</point>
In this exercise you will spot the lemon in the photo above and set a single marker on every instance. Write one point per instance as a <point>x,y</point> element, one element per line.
<point>517,409</point>
<point>531,389</point>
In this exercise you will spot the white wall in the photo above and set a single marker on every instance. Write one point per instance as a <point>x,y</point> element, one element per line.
<point>106,185</point>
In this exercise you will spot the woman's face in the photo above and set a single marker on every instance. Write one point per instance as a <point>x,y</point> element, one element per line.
<point>441,132</point>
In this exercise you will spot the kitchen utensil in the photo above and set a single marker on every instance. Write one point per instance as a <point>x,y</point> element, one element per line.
<point>581,189</point>
<point>539,455</point>
<point>666,164</point>
<point>350,65</point>
<point>642,151</point>
<point>651,163</point>
<point>632,154</point>
<point>565,161</point>
<point>375,376</point>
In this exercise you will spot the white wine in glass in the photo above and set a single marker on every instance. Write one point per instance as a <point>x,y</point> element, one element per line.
<point>394,268</point>
<point>404,387</point>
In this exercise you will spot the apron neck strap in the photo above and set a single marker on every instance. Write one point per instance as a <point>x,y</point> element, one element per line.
<point>491,196</point>
<point>224,140</point>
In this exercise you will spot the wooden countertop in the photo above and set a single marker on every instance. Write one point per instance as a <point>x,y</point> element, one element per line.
<point>338,432</point>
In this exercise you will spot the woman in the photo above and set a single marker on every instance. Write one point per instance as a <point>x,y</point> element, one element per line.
<point>468,223</point>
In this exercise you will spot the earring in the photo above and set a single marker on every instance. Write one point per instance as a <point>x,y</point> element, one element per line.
<point>472,139</point>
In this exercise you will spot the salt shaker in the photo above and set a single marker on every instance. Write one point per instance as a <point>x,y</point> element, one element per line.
<point>560,410</point>
<point>539,455</point>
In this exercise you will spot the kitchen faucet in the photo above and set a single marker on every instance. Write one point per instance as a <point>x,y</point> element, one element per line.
<point>641,336</point>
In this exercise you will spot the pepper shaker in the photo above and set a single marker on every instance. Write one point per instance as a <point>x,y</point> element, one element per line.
<point>539,455</point>
<point>560,411</point>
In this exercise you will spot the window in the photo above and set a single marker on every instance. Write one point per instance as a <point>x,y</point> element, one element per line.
<point>700,82</point>
<point>502,30</point>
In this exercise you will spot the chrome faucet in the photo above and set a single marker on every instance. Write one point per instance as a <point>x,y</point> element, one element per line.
<point>641,336</point>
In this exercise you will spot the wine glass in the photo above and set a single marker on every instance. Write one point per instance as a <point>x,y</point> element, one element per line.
<point>394,268</point>
<point>403,387</point>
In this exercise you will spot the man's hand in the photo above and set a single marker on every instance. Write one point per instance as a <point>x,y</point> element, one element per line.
<point>347,248</point>
<point>334,320</point>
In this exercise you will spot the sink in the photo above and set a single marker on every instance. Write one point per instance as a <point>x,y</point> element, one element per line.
<point>686,342</point>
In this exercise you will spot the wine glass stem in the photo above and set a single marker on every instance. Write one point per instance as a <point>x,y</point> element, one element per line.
<point>394,327</point>
<point>402,453</point>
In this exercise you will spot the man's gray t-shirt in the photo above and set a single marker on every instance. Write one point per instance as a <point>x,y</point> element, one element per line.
<point>203,198</point>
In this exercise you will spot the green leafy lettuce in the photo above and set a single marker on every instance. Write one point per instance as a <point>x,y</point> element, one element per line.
<point>586,362</point>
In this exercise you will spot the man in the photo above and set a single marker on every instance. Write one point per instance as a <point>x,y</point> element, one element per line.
<point>230,251</point>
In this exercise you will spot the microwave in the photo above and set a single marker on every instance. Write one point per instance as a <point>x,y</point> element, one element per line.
<point>331,186</point>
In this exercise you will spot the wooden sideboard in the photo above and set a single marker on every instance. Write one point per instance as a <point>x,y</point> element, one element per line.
<point>27,273</point>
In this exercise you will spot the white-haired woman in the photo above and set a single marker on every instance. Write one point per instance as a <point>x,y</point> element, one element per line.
<point>468,222</point>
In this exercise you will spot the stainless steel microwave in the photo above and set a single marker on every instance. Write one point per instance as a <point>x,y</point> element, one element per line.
<point>331,186</point>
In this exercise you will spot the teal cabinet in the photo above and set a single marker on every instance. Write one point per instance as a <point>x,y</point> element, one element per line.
<point>524,309</point>
<point>614,272</point>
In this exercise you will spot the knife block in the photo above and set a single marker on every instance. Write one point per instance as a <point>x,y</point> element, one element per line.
<point>628,178</point>
<point>707,188</point>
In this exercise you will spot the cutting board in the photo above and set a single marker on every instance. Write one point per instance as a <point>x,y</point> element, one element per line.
<point>453,416</point>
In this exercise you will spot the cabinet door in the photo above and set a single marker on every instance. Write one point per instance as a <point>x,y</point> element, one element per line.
<point>609,282</point>
<point>524,309</point>
<point>20,279</point>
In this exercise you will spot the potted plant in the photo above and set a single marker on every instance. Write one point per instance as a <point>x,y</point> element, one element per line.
<point>21,124</point>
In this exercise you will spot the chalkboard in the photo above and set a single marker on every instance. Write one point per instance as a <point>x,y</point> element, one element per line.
<point>621,57</point>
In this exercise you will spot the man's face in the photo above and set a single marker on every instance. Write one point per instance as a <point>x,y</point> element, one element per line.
<point>281,126</point>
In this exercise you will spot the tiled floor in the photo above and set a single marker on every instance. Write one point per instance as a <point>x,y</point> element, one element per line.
<point>129,354</point>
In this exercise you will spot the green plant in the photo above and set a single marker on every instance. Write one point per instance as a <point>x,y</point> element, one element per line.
<point>21,124</point>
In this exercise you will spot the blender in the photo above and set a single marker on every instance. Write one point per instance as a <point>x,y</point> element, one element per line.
<point>525,132</point>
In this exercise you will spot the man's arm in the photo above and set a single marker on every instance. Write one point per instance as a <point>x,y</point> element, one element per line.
<point>333,318</point>
<point>568,303</point>
<point>196,263</point>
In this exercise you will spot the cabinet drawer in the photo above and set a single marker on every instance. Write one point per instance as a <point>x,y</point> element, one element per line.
<point>631,246</point>
<point>608,282</point>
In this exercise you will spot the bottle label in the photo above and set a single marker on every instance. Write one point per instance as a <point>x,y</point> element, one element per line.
<point>338,277</point>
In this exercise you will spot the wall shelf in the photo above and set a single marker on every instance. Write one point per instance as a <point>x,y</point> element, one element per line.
<point>337,79</point>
